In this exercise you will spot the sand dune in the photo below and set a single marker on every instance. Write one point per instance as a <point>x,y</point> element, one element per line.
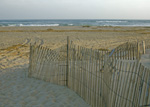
<point>17,90</point>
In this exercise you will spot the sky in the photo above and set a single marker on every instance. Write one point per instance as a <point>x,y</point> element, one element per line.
<point>74,9</point>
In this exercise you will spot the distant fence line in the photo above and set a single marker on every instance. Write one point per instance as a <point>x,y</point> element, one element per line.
<point>100,77</point>
<point>130,50</point>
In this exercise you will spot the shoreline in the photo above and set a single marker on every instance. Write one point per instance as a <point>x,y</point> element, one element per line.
<point>75,29</point>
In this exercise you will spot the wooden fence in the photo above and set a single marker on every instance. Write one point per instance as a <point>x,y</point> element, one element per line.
<point>130,50</point>
<point>48,65</point>
<point>147,43</point>
<point>101,78</point>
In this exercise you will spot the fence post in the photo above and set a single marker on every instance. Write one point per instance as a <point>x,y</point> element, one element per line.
<point>143,43</point>
<point>138,51</point>
<point>67,70</point>
<point>30,55</point>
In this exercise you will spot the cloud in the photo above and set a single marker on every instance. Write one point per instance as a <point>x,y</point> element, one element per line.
<point>74,9</point>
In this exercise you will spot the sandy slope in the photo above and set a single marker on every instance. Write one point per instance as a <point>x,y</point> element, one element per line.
<point>16,90</point>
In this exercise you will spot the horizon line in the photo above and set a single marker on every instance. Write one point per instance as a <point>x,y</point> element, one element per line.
<point>75,19</point>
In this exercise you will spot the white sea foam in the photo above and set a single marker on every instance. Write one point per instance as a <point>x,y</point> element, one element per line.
<point>70,24</point>
<point>11,24</point>
<point>39,25</point>
<point>112,21</point>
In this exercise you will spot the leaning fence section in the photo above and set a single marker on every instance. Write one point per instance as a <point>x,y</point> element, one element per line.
<point>48,65</point>
<point>129,51</point>
<point>86,67</point>
<point>126,84</point>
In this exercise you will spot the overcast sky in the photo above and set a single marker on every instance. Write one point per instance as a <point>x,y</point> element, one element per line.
<point>74,9</point>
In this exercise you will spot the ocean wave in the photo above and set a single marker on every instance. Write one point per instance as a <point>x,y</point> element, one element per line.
<point>39,25</point>
<point>70,24</point>
<point>112,21</point>
<point>21,25</point>
<point>12,25</point>
<point>97,22</point>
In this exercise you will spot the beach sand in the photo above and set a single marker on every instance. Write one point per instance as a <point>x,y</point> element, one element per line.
<point>16,89</point>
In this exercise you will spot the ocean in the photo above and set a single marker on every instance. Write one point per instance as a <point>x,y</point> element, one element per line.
<point>77,22</point>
